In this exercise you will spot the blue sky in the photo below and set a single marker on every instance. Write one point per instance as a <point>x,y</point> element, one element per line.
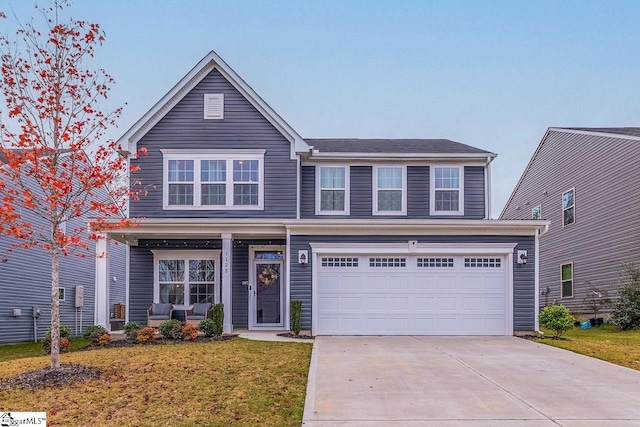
<point>492,74</point>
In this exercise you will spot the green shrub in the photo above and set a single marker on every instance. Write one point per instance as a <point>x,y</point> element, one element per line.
<point>626,309</point>
<point>557,318</point>
<point>171,329</point>
<point>190,332</point>
<point>131,331</point>
<point>218,318</point>
<point>208,327</point>
<point>94,333</point>
<point>65,332</point>
<point>90,329</point>
<point>296,315</point>
<point>144,335</point>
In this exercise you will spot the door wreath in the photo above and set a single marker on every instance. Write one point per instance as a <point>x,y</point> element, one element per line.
<point>268,276</point>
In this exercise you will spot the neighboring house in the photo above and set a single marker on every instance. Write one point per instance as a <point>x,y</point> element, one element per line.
<point>586,181</point>
<point>25,286</point>
<point>374,236</point>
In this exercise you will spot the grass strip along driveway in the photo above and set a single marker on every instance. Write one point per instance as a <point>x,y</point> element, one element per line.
<point>605,343</point>
<point>237,382</point>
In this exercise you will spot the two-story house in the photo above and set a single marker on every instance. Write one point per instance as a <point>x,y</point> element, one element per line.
<point>586,181</point>
<point>375,237</point>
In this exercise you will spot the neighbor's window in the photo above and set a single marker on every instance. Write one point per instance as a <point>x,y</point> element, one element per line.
<point>186,281</point>
<point>226,180</point>
<point>566,287</point>
<point>389,190</point>
<point>332,190</point>
<point>536,213</point>
<point>61,294</point>
<point>569,207</point>
<point>446,191</point>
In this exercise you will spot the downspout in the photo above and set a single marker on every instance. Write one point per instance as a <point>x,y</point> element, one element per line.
<point>539,233</point>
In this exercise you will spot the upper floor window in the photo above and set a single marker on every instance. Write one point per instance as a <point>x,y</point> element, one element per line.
<point>566,284</point>
<point>389,190</point>
<point>568,207</point>
<point>447,194</point>
<point>332,190</point>
<point>536,213</point>
<point>232,179</point>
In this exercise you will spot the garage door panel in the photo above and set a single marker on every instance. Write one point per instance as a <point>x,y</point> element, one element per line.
<point>402,296</point>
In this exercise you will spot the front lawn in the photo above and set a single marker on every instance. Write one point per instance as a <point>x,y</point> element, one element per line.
<point>234,382</point>
<point>33,349</point>
<point>606,343</point>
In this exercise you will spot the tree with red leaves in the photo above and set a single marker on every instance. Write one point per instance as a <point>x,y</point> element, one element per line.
<point>54,164</point>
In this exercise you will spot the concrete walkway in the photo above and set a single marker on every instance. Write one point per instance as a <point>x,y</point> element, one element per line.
<point>464,381</point>
<point>267,336</point>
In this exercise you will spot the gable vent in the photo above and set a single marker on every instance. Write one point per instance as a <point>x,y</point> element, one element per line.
<point>214,106</point>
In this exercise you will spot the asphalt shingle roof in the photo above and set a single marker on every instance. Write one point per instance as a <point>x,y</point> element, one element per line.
<point>357,145</point>
<point>631,131</point>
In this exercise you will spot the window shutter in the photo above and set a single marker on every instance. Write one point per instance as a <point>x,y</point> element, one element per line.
<point>214,106</point>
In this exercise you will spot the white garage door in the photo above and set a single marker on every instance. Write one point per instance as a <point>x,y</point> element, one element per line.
<point>411,295</point>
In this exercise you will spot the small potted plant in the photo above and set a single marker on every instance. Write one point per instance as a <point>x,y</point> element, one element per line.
<point>595,301</point>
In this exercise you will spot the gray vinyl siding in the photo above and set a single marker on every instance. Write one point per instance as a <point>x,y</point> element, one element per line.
<point>606,233</point>
<point>523,275</point>
<point>418,192</point>
<point>25,281</point>
<point>243,127</point>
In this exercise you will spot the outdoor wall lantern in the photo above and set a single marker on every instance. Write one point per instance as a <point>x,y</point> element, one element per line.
<point>303,256</point>
<point>522,257</point>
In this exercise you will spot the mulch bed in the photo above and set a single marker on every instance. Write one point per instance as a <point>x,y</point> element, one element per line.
<point>292,335</point>
<point>48,377</point>
<point>72,373</point>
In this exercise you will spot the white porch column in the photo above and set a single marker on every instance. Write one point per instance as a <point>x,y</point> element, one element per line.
<point>102,283</point>
<point>227,248</point>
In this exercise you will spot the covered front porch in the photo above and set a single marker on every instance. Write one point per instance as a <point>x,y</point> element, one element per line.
<point>242,265</point>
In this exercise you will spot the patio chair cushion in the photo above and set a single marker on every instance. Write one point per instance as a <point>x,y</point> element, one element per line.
<point>159,316</point>
<point>200,310</point>
<point>197,317</point>
<point>160,310</point>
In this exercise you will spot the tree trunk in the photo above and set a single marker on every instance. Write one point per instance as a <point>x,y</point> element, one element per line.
<point>55,307</point>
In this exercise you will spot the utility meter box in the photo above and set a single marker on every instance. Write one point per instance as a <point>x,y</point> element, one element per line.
<point>36,312</point>
<point>79,296</point>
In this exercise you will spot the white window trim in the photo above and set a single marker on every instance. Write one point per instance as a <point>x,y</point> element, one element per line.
<point>573,189</point>
<point>572,280</point>
<point>229,156</point>
<point>375,210</point>
<point>186,255</point>
<point>347,192</point>
<point>217,98</point>
<point>539,207</point>
<point>432,190</point>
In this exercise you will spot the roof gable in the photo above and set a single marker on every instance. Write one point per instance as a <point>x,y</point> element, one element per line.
<point>187,83</point>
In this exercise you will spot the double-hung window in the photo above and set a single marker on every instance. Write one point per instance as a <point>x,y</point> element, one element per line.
<point>389,190</point>
<point>536,213</point>
<point>332,190</point>
<point>214,179</point>
<point>447,190</point>
<point>566,283</point>
<point>569,207</point>
<point>185,277</point>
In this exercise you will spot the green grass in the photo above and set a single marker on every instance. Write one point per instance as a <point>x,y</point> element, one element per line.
<point>33,349</point>
<point>606,343</point>
<point>220,383</point>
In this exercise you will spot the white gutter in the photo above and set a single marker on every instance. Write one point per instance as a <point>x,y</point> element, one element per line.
<point>351,155</point>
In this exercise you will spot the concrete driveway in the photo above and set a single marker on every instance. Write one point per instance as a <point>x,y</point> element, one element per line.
<point>464,381</point>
